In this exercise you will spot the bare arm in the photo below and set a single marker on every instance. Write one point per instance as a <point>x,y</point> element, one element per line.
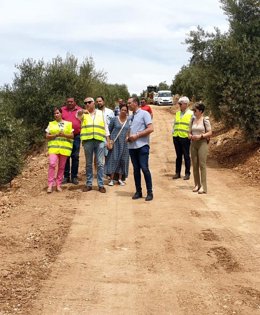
<point>51,136</point>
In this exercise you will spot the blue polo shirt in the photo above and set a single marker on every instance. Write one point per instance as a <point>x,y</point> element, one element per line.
<point>138,122</point>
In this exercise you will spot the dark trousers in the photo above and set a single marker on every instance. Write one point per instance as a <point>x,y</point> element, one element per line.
<point>74,160</point>
<point>140,158</point>
<point>182,148</point>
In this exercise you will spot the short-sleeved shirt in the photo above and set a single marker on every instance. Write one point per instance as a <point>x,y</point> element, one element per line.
<point>147,108</point>
<point>108,115</point>
<point>200,127</point>
<point>60,125</point>
<point>71,115</point>
<point>139,122</point>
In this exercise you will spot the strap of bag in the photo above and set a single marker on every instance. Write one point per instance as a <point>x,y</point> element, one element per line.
<point>204,125</point>
<point>120,131</point>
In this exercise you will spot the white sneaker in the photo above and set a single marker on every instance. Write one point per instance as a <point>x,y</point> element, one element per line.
<point>111,183</point>
<point>49,190</point>
<point>121,183</point>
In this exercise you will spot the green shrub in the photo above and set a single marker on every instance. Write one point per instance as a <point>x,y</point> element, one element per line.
<point>13,145</point>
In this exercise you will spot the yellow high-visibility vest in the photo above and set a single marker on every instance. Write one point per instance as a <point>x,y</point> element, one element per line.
<point>182,124</point>
<point>60,145</point>
<point>93,128</point>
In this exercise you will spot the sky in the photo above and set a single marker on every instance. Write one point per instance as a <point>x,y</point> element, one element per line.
<point>135,42</point>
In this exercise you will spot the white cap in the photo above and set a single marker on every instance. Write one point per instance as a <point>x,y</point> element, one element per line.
<point>184,99</point>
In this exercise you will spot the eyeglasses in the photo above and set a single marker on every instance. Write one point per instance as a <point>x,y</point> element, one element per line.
<point>88,102</point>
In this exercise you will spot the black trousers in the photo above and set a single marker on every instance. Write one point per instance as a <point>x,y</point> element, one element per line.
<point>182,148</point>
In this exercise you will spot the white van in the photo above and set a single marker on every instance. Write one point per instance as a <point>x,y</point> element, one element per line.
<point>165,97</point>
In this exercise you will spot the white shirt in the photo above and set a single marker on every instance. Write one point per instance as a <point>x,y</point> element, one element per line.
<point>106,125</point>
<point>108,115</point>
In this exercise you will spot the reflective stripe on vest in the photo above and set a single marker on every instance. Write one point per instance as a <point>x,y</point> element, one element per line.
<point>182,124</point>
<point>93,128</point>
<point>60,145</point>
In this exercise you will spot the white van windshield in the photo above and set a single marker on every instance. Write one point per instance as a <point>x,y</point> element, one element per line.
<point>164,94</point>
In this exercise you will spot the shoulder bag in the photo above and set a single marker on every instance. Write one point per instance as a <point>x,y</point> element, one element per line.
<point>111,142</point>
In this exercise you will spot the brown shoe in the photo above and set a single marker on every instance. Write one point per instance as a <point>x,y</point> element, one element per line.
<point>59,189</point>
<point>102,189</point>
<point>87,188</point>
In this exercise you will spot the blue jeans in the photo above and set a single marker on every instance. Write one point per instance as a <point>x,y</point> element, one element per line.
<point>94,147</point>
<point>140,158</point>
<point>74,160</point>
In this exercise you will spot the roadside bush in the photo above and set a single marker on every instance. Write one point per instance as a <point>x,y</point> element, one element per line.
<point>13,145</point>
<point>224,68</point>
<point>26,104</point>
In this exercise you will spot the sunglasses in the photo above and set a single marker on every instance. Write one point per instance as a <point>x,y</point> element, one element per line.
<point>88,102</point>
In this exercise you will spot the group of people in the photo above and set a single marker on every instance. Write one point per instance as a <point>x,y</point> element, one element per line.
<point>191,132</point>
<point>108,141</point>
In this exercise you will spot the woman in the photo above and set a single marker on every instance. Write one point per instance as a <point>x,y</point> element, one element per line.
<point>117,160</point>
<point>200,132</point>
<point>59,134</point>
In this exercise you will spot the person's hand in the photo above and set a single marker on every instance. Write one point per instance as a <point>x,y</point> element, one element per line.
<point>80,112</point>
<point>196,137</point>
<point>62,134</point>
<point>133,138</point>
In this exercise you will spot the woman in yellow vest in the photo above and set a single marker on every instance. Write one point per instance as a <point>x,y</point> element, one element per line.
<point>59,134</point>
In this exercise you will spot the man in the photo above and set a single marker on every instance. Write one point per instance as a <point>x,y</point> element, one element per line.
<point>108,115</point>
<point>180,137</point>
<point>117,108</point>
<point>69,113</point>
<point>107,112</point>
<point>145,106</point>
<point>140,129</point>
<point>94,133</point>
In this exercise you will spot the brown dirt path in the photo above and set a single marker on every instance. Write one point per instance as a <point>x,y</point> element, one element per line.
<point>182,253</point>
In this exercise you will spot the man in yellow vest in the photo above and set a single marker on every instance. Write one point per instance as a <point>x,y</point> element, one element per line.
<point>94,133</point>
<point>180,137</point>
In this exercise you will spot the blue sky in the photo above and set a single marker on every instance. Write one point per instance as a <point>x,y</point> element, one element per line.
<point>137,43</point>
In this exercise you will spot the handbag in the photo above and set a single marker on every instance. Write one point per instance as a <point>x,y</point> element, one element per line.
<point>111,142</point>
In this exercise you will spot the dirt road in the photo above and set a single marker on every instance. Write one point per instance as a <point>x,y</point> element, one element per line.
<point>182,253</point>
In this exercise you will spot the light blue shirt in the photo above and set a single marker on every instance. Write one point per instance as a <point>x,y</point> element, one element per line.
<point>138,122</point>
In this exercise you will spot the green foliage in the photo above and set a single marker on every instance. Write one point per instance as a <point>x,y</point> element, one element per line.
<point>163,86</point>
<point>113,92</point>
<point>189,82</point>
<point>13,144</point>
<point>225,68</point>
<point>27,104</point>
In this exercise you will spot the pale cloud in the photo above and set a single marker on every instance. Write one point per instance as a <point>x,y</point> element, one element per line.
<point>136,42</point>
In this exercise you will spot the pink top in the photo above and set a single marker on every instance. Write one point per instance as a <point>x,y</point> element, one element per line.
<point>70,115</point>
